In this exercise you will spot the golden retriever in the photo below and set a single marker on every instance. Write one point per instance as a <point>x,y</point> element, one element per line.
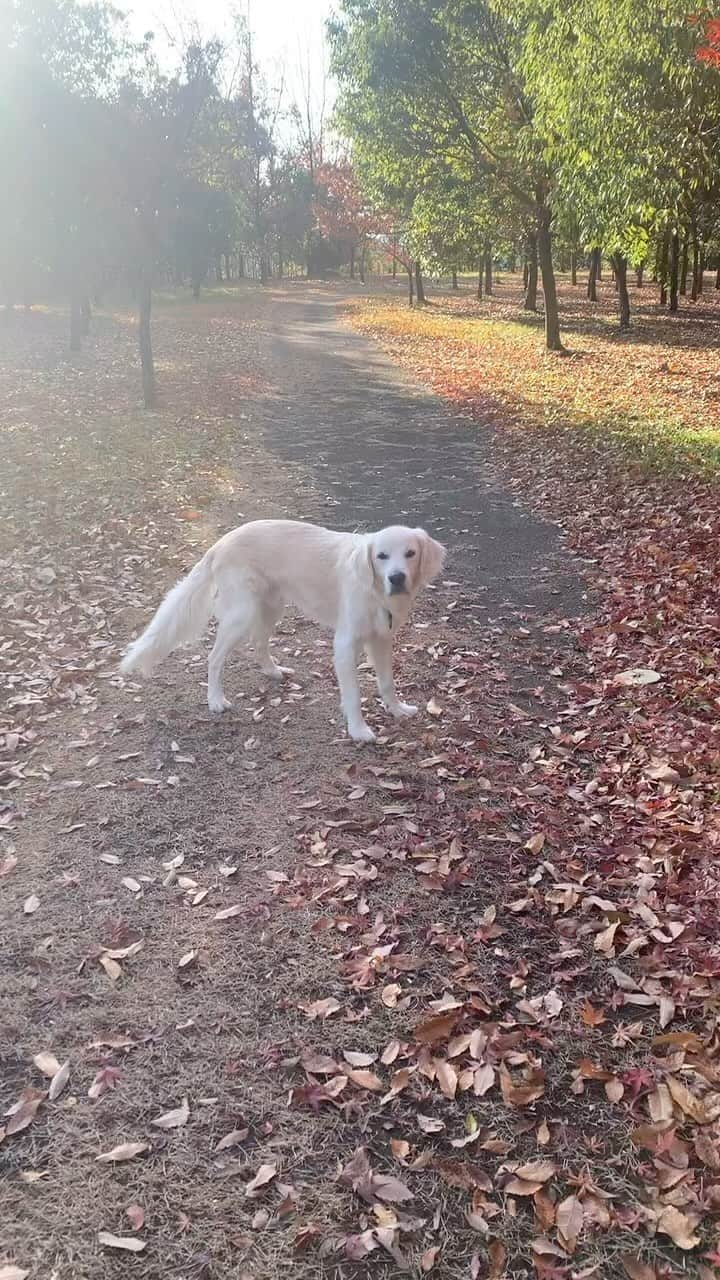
<point>361,585</point>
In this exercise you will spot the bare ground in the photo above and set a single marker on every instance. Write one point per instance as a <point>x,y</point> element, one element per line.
<point>372,887</point>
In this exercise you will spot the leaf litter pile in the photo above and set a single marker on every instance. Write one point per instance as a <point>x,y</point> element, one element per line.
<point>446,1006</point>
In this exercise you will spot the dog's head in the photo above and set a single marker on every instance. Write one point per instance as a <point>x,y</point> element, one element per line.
<point>403,560</point>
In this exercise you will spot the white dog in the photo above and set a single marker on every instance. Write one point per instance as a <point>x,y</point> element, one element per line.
<point>361,585</point>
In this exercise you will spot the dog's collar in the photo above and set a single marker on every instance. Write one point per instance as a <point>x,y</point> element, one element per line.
<point>390,619</point>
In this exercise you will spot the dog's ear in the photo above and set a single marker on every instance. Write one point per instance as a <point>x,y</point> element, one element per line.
<point>432,557</point>
<point>365,561</point>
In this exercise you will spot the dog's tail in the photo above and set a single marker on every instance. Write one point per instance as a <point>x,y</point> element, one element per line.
<point>182,616</point>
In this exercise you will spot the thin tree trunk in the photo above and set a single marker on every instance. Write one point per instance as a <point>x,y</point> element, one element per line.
<point>75,321</point>
<point>620,268</point>
<point>526,271</point>
<point>454,279</point>
<point>573,267</point>
<point>701,271</point>
<point>352,262</point>
<point>488,269</point>
<point>593,275</point>
<point>394,256</point>
<point>85,315</point>
<point>480,283</point>
<point>674,270</point>
<point>362,266</point>
<point>241,266</point>
<point>281,264</point>
<point>531,288</point>
<point>410,284</point>
<point>664,255</point>
<point>695,268</point>
<point>147,363</point>
<point>599,274</point>
<point>419,286</point>
<point>639,274</point>
<point>684,265</point>
<point>717,277</point>
<point>553,341</point>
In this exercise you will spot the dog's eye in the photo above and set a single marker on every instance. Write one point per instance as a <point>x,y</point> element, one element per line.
<point>383,555</point>
<point>409,554</point>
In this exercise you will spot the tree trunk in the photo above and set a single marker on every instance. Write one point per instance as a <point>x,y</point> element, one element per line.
<point>531,287</point>
<point>593,275</point>
<point>674,270</point>
<point>410,284</point>
<point>620,268</point>
<point>85,315</point>
<point>639,273</point>
<point>553,341</point>
<point>147,363</point>
<point>362,266</point>
<point>196,289</point>
<point>664,255</point>
<point>479,284</point>
<point>352,262</point>
<point>526,271</point>
<point>281,264</point>
<point>573,267</point>
<point>701,270</point>
<point>488,269</point>
<point>75,321</point>
<point>684,266</point>
<point>512,260</point>
<point>717,277</point>
<point>454,279</point>
<point>695,269</point>
<point>218,269</point>
<point>419,286</point>
<point>598,274</point>
<point>241,266</point>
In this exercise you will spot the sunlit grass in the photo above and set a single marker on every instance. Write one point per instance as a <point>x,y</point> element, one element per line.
<point>655,401</point>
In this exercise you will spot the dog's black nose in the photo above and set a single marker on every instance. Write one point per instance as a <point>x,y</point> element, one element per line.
<point>397,579</point>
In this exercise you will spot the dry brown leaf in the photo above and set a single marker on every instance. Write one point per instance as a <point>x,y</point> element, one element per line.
<point>365,1079</point>
<point>23,1115</point>
<point>59,1081</point>
<point>483,1080</point>
<point>702,1110</point>
<point>11,1272</point>
<point>497,1257</point>
<point>436,1028</point>
<point>321,1008</point>
<point>605,939</point>
<point>519,1187</point>
<point>536,842</point>
<point>614,1089</point>
<point>427,1261</point>
<point>429,1124</point>
<point>537,1170</point>
<point>111,967</point>
<point>569,1221</point>
<point>125,1151</point>
<point>136,1216</point>
<point>264,1175</point>
<point>47,1063</point>
<point>131,1244</point>
<point>173,1119</point>
<point>400,1149</point>
<point>447,1078</point>
<point>227,913</point>
<point>679,1227</point>
<point>359,1059</point>
<point>7,865</point>
<point>232,1139</point>
<point>31,904</point>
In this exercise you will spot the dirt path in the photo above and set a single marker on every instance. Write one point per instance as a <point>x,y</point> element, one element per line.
<point>366,885</point>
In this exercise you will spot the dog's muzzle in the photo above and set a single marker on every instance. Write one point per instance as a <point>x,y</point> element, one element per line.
<point>398,583</point>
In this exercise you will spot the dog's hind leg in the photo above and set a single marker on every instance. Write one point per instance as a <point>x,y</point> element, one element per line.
<point>266,618</point>
<point>232,630</point>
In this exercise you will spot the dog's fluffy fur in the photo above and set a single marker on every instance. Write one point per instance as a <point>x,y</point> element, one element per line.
<point>361,585</point>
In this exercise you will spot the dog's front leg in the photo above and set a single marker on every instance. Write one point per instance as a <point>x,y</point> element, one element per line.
<point>379,651</point>
<point>345,653</point>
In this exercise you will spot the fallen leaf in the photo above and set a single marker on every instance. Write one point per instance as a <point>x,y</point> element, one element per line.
<point>433,708</point>
<point>427,1261</point>
<point>536,842</point>
<point>678,1227</point>
<point>11,1272</point>
<point>264,1175</point>
<point>131,1244</point>
<point>136,1216</point>
<point>537,1170</point>
<point>23,1115</point>
<point>429,1124</point>
<point>321,1008</point>
<point>173,1119</point>
<point>634,677</point>
<point>47,1064</point>
<point>569,1221</point>
<point>436,1028</point>
<point>447,1078</point>
<point>59,1081</point>
<point>129,882</point>
<point>125,1151</point>
<point>232,1139</point>
<point>637,1270</point>
<point>497,1257</point>
<point>31,904</point>
<point>228,913</point>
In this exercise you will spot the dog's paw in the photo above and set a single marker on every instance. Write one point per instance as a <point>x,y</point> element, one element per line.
<point>361,732</point>
<point>219,704</point>
<point>401,710</point>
